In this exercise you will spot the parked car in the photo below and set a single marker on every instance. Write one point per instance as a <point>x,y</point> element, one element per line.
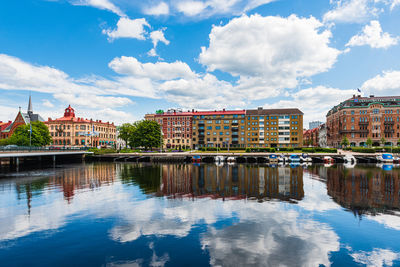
<point>11,147</point>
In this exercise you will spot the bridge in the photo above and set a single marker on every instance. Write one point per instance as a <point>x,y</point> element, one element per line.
<point>16,158</point>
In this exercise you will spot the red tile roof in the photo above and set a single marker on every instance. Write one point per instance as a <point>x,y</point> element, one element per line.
<point>4,125</point>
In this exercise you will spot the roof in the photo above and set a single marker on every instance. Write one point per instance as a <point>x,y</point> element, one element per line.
<point>4,125</point>
<point>282,111</point>
<point>221,112</point>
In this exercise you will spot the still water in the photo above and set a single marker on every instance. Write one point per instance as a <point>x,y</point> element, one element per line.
<point>106,214</point>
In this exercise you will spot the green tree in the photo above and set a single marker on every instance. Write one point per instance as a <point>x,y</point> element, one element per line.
<point>40,135</point>
<point>125,131</point>
<point>398,142</point>
<point>145,134</point>
<point>345,141</point>
<point>369,142</point>
<point>383,141</point>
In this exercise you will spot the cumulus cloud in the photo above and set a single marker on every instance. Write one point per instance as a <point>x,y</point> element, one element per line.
<point>383,84</point>
<point>351,11</point>
<point>161,8</point>
<point>376,258</point>
<point>269,52</point>
<point>128,28</point>
<point>95,92</point>
<point>315,102</point>
<point>101,4</point>
<point>373,36</point>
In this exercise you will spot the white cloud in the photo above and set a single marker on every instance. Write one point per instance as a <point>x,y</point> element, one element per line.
<point>315,102</point>
<point>156,37</point>
<point>128,28</point>
<point>376,258</point>
<point>387,83</point>
<point>191,8</point>
<point>101,4</point>
<point>394,4</point>
<point>351,11</point>
<point>155,71</point>
<point>208,8</point>
<point>161,9</point>
<point>373,36</point>
<point>269,53</point>
<point>47,103</point>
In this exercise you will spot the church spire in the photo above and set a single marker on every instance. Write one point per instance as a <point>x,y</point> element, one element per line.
<point>30,109</point>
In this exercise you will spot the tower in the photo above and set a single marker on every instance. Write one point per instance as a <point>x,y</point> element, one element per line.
<point>30,109</point>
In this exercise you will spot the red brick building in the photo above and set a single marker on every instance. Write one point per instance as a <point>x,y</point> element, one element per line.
<point>360,118</point>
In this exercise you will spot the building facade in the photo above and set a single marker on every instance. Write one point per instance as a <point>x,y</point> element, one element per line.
<point>230,128</point>
<point>360,118</point>
<point>274,128</point>
<point>21,119</point>
<point>176,128</point>
<point>225,128</point>
<point>70,130</point>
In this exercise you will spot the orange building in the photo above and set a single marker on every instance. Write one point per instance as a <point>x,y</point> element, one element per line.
<point>70,130</point>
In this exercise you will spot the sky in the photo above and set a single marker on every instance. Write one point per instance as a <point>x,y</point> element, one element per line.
<point>117,60</point>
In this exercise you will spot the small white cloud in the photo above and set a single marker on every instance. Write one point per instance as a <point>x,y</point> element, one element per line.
<point>128,28</point>
<point>383,84</point>
<point>101,4</point>
<point>351,11</point>
<point>373,36</point>
<point>156,37</point>
<point>47,103</point>
<point>191,8</point>
<point>161,9</point>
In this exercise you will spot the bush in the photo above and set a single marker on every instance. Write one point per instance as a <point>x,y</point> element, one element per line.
<point>363,150</point>
<point>261,149</point>
<point>102,151</point>
<point>128,150</point>
<point>325,150</point>
<point>308,150</point>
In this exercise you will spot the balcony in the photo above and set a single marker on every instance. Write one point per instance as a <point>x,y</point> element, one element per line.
<point>388,123</point>
<point>352,131</point>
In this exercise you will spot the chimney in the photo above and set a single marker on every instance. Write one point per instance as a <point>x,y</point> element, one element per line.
<point>371,96</point>
<point>260,108</point>
<point>223,110</point>
<point>192,110</point>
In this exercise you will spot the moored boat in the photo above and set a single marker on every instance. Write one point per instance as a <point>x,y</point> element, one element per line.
<point>328,160</point>
<point>385,158</point>
<point>294,158</point>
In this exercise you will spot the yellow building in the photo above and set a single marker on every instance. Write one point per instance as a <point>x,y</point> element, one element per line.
<point>72,131</point>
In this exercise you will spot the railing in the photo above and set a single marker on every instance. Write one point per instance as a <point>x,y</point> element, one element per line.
<point>35,148</point>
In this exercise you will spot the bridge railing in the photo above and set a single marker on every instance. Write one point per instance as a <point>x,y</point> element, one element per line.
<point>35,148</point>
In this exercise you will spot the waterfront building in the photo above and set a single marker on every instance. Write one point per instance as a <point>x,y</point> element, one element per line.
<point>314,124</point>
<point>230,128</point>
<point>225,128</point>
<point>360,118</point>
<point>176,127</point>
<point>274,128</point>
<point>70,130</point>
<point>21,119</point>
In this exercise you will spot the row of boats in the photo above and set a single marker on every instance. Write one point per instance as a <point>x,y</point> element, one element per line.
<point>303,158</point>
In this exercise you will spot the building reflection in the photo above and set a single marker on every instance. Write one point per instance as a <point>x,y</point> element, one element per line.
<point>68,181</point>
<point>232,181</point>
<point>364,189</point>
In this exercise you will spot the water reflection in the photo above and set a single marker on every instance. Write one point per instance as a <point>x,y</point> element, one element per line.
<point>228,181</point>
<point>363,189</point>
<point>183,214</point>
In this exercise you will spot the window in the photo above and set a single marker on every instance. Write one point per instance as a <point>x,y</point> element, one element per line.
<point>226,127</point>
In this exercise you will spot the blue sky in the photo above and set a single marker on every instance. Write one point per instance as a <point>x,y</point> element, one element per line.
<point>117,60</point>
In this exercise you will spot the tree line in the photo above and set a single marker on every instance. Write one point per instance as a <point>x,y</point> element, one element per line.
<point>141,134</point>
<point>22,137</point>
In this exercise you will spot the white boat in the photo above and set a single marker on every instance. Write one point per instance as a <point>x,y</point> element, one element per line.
<point>219,159</point>
<point>350,159</point>
<point>273,159</point>
<point>294,158</point>
<point>282,159</point>
<point>385,158</point>
<point>231,160</point>
<point>328,160</point>
<point>305,158</point>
